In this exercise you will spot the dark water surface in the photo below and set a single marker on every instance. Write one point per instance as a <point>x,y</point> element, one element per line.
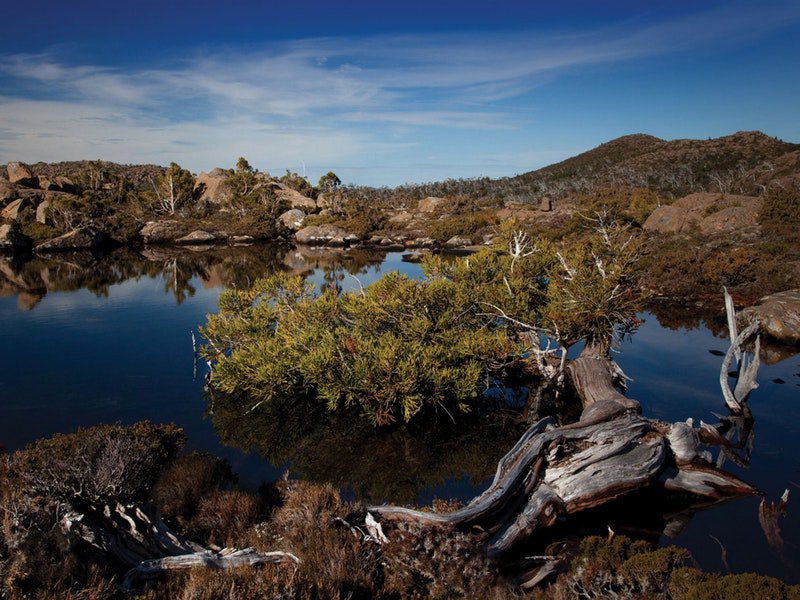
<point>90,340</point>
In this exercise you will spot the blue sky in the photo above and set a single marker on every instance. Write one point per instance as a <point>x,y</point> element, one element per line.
<point>387,92</point>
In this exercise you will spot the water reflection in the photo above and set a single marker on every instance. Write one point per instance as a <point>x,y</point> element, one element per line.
<point>711,318</point>
<point>31,279</point>
<point>398,465</point>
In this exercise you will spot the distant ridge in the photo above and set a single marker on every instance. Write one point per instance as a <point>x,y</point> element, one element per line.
<point>677,166</point>
<point>745,162</point>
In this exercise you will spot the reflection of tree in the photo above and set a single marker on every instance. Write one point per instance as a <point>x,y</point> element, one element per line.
<point>33,277</point>
<point>178,280</point>
<point>675,315</point>
<point>377,465</point>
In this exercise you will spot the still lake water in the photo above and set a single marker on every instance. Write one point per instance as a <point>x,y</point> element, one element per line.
<point>91,340</point>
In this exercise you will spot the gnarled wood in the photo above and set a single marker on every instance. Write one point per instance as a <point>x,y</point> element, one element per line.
<point>553,472</point>
<point>144,544</point>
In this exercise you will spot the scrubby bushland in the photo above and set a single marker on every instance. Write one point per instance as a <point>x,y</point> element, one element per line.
<point>623,568</point>
<point>623,205</point>
<point>467,225</point>
<point>308,520</point>
<point>37,560</point>
<point>99,464</point>
<point>356,215</point>
<point>780,215</point>
<point>750,263</point>
<point>84,470</point>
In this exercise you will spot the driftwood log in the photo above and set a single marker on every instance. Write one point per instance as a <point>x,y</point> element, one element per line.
<point>139,540</point>
<point>553,472</point>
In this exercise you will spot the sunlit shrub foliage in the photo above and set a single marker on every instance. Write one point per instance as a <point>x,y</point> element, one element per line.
<point>400,347</point>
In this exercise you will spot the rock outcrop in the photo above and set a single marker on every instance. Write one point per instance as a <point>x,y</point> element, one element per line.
<point>8,192</point>
<point>56,184</point>
<point>209,187</point>
<point>292,219</point>
<point>11,212</point>
<point>82,238</point>
<point>458,241</point>
<point>711,213</point>
<point>779,316</point>
<point>429,204</point>
<point>43,213</point>
<point>401,218</point>
<point>295,198</point>
<point>320,235</point>
<point>198,237</point>
<point>12,239</point>
<point>162,232</point>
<point>21,174</point>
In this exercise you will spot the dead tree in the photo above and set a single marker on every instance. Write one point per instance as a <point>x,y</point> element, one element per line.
<point>612,450</point>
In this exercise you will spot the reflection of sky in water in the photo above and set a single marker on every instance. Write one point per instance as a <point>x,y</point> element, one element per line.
<point>77,359</point>
<point>369,274</point>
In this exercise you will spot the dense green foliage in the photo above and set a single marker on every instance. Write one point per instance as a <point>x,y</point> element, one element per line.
<point>400,346</point>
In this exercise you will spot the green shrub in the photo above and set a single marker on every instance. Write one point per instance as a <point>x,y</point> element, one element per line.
<point>39,232</point>
<point>401,347</point>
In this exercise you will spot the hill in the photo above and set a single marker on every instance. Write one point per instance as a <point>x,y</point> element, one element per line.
<point>743,163</point>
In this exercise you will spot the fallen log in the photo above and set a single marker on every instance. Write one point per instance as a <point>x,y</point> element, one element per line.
<point>140,541</point>
<point>228,558</point>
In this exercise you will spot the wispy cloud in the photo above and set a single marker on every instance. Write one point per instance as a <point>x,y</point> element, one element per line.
<point>324,101</point>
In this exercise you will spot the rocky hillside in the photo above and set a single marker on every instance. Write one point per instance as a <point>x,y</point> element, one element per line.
<point>139,175</point>
<point>742,163</point>
<point>727,165</point>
